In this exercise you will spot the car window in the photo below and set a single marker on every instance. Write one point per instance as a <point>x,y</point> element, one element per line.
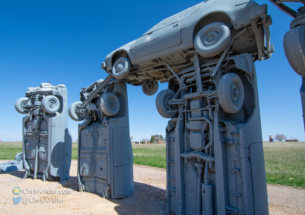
<point>172,19</point>
<point>163,23</point>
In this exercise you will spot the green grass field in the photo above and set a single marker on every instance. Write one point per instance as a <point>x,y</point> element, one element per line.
<point>285,162</point>
<point>8,150</point>
<point>74,150</point>
<point>150,155</point>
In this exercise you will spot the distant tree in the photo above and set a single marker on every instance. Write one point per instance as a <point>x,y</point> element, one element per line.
<point>157,138</point>
<point>152,139</point>
<point>144,140</point>
<point>280,137</point>
<point>161,137</point>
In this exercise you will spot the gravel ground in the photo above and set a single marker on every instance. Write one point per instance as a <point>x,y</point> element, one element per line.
<point>149,196</point>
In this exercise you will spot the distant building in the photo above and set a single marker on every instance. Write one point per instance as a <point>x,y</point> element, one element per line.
<point>292,140</point>
<point>270,137</point>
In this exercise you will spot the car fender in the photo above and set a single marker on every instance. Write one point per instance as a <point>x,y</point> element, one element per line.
<point>244,62</point>
<point>236,10</point>
<point>128,48</point>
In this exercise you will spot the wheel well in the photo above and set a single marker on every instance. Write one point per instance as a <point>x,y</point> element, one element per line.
<point>118,54</point>
<point>214,17</point>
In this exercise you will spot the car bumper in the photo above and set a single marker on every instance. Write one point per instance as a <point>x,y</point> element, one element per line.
<point>260,23</point>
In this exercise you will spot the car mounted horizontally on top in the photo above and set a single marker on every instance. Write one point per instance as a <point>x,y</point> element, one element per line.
<point>212,29</point>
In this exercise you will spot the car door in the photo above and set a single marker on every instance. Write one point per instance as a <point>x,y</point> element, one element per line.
<point>164,35</point>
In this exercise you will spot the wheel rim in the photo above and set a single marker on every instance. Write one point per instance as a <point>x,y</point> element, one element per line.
<point>148,86</point>
<point>119,66</point>
<point>77,109</point>
<point>23,105</point>
<point>167,99</point>
<point>111,104</point>
<point>52,104</point>
<point>210,38</point>
<point>235,93</point>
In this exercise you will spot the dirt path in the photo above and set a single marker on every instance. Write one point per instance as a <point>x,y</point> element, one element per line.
<point>148,198</point>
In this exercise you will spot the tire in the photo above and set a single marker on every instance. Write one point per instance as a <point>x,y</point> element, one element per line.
<point>121,68</point>
<point>20,105</point>
<point>300,20</point>
<point>50,104</point>
<point>231,93</point>
<point>110,104</point>
<point>212,39</point>
<point>150,88</point>
<point>73,109</point>
<point>162,103</point>
<point>19,156</point>
<point>294,46</point>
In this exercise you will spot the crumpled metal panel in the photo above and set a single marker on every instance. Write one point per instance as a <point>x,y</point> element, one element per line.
<point>11,166</point>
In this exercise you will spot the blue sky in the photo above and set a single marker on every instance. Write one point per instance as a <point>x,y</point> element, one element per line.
<point>64,42</point>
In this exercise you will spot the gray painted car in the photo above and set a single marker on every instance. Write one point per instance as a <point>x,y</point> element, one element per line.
<point>47,143</point>
<point>207,28</point>
<point>294,45</point>
<point>14,165</point>
<point>105,159</point>
<point>214,151</point>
